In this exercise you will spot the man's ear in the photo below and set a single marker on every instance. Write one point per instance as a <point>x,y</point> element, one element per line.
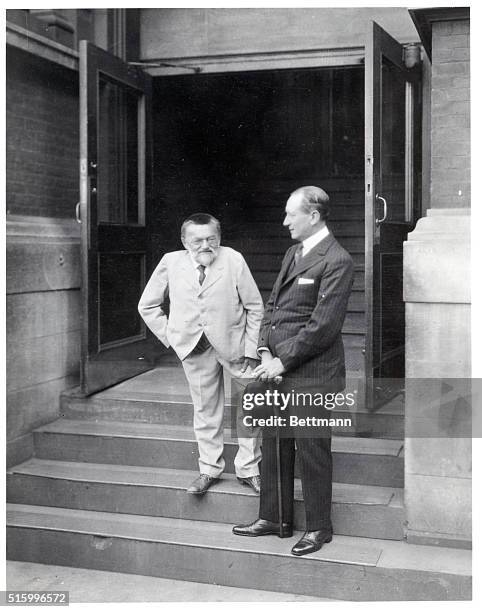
<point>315,217</point>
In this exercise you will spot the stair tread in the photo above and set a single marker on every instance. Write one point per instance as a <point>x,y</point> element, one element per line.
<point>179,479</point>
<point>168,384</point>
<point>112,429</point>
<point>349,550</point>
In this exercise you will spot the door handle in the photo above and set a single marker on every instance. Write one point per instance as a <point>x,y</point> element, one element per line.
<point>77,213</point>
<point>385,210</point>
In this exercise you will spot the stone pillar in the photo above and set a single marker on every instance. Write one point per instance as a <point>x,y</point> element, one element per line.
<point>437,297</point>
<point>43,324</point>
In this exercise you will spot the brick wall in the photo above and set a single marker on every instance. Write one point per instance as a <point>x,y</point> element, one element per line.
<point>450,115</point>
<point>42,137</point>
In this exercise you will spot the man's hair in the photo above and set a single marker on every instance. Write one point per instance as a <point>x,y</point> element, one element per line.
<point>200,219</point>
<point>314,198</point>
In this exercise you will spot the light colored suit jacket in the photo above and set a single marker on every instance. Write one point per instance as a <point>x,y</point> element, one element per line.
<point>227,307</point>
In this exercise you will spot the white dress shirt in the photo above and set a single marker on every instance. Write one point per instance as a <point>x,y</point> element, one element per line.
<point>313,240</point>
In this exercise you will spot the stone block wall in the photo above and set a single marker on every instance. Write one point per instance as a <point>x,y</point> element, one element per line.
<point>43,245</point>
<point>451,114</point>
<point>438,470</point>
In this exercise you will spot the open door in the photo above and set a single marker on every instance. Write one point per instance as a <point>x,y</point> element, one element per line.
<point>392,136</point>
<point>115,177</point>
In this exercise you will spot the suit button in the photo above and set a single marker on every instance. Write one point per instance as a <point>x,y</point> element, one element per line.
<point>277,308</point>
<point>273,327</point>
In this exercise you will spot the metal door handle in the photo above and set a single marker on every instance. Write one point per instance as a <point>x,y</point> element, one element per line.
<point>385,210</point>
<point>77,212</point>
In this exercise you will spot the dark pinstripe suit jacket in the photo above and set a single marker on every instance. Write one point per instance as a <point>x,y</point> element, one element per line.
<point>305,313</point>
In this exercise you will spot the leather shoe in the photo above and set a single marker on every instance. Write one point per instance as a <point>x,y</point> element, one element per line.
<point>252,481</point>
<point>310,542</point>
<point>201,484</point>
<point>262,527</point>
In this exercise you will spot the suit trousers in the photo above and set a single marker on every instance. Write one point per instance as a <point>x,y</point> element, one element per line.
<point>205,375</point>
<point>316,466</point>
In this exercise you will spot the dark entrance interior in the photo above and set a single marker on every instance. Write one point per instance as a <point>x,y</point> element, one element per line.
<point>237,144</point>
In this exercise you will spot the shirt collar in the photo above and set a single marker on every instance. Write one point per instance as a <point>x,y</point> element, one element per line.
<point>313,240</point>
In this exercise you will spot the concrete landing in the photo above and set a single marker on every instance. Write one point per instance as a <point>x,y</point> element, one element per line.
<point>93,586</point>
<point>349,568</point>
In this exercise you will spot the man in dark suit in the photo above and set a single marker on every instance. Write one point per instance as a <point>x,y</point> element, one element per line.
<point>300,340</point>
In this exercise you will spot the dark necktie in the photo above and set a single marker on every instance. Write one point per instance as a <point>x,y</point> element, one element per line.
<point>202,274</point>
<point>203,343</point>
<point>296,257</point>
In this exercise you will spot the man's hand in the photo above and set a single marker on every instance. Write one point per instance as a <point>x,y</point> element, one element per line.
<point>266,356</point>
<point>269,369</point>
<point>249,362</point>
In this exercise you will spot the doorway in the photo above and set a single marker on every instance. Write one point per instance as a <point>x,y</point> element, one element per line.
<point>236,145</point>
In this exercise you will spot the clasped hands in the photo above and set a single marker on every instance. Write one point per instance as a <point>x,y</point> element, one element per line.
<point>269,368</point>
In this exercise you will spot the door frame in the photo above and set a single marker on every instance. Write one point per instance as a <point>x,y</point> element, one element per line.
<point>381,44</point>
<point>104,364</point>
<point>324,58</point>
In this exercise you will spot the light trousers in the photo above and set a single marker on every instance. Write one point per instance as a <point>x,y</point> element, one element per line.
<point>205,375</point>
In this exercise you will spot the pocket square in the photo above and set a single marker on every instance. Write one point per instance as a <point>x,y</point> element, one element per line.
<point>306,281</point>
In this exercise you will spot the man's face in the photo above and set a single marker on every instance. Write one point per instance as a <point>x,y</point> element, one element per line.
<point>202,241</point>
<point>301,224</point>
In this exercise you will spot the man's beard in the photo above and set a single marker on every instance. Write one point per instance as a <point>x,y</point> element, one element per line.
<point>207,257</point>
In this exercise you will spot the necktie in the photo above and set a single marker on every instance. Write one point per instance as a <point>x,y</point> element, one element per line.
<point>296,257</point>
<point>298,253</point>
<point>202,274</point>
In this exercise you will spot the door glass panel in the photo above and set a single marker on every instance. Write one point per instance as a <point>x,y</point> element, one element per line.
<point>392,139</point>
<point>119,320</point>
<point>118,153</point>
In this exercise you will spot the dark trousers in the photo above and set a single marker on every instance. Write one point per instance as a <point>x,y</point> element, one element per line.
<point>316,465</point>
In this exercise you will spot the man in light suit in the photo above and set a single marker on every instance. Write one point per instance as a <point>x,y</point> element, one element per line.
<point>301,340</point>
<point>213,325</point>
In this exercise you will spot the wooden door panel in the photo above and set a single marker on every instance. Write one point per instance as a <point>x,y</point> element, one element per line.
<point>390,157</point>
<point>115,178</point>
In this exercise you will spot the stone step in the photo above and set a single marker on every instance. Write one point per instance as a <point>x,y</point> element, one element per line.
<point>348,568</point>
<point>355,460</point>
<point>162,396</point>
<point>365,511</point>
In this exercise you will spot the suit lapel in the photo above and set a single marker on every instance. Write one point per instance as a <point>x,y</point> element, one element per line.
<point>309,260</point>
<point>215,272</point>
<point>280,281</point>
<point>189,273</point>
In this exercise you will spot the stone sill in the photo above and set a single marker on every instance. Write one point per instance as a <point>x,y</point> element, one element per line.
<point>43,47</point>
<point>23,226</point>
<point>449,224</point>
